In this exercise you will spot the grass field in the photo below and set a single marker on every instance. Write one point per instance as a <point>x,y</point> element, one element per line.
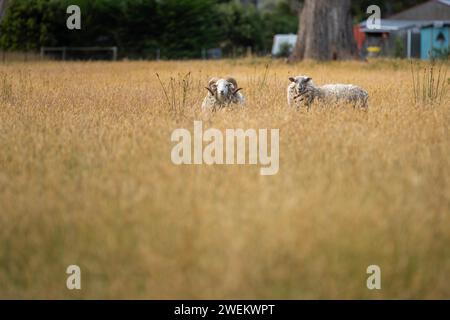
<point>86,178</point>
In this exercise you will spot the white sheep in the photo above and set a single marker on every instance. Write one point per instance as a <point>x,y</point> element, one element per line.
<point>222,93</point>
<point>302,91</point>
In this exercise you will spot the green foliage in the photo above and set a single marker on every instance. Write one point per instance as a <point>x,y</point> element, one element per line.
<point>244,26</point>
<point>187,27</point>
<point>181,27</point>
<point>281,20</point>
<point>399,48</point>
<point>441,53</point>
<point>285,50</point>
<point>26,24</point>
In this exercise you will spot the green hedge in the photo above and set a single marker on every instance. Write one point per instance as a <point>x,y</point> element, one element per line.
<point>180,28</point>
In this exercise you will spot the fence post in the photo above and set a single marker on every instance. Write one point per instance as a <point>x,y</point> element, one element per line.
<point>114,53</point>
<point>249,52</point>
<point>158,54</point>
<point>408,44</point>
<point>203,53</point>
<point>64,54</point>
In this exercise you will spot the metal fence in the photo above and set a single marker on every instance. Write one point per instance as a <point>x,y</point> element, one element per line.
<point>13,56</point>
<point>66,53</point>
<point>115,53</point>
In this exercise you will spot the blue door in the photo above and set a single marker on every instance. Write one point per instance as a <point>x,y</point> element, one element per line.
<point>433,38</point>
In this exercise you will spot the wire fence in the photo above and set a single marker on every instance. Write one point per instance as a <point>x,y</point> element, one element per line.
<point>91,52</point>
<point>116,53</point>
<point>14,56</point>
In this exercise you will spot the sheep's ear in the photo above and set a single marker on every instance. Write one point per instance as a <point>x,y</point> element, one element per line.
<point>308,79</point>
<point>292,79</point>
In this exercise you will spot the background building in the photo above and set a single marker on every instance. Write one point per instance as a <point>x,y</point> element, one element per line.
<point>431,10</point>
<point>434,39</point>
<point>283,44</point>
<point>417,32</point>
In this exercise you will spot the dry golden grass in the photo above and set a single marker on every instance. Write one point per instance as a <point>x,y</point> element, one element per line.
<point>86,178</point>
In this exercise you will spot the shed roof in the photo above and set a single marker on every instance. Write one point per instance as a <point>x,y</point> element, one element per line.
<point>392,25</point>
<point>429,10</point>
<point>437,24</point>
<point>446,2</point>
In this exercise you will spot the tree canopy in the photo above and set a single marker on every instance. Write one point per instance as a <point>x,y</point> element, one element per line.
<point>178,28</point>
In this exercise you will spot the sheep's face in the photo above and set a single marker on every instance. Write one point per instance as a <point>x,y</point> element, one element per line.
<point>224,89</point>
<point>301,83</point>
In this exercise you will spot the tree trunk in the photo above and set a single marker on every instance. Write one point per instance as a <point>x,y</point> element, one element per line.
<point>325,31</point>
